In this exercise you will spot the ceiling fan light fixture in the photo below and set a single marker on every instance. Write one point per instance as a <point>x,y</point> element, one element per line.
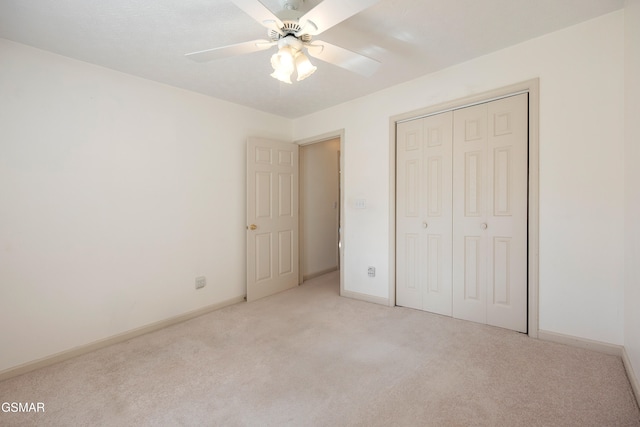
<point>304,67</point>
<point>284,58</point>
<point>282,75</point>
<point>283,64</point>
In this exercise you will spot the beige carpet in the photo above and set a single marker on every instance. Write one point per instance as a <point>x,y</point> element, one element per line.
<point>307,357</point>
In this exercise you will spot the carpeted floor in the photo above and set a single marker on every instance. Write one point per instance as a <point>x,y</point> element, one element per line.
<point>307,357</point>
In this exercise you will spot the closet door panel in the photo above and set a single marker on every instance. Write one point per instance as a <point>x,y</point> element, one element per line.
<point>409,205</point>
<point>507,213</point>
<point>423,214</point>
<point>437,219</point>
<point>469,213</point>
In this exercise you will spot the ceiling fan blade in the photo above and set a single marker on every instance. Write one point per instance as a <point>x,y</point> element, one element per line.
<point>344,58</point>
<point>332,12</point>
<point>260,13</point>
<point>231,50</point>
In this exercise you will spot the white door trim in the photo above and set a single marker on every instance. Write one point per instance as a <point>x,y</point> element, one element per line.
<point>533,88</point>
<point>321,138</point>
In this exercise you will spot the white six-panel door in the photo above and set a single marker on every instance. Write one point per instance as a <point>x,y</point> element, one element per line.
<point>490,213</point>
<point>461,238</point>
<point>272,217</point>
<point>424,218</point>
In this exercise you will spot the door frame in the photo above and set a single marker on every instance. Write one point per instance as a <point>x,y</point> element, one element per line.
<point>341,221</point>
<point>532,87</point>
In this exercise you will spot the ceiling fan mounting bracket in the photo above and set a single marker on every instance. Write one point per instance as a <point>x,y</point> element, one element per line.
<point>291,4</point>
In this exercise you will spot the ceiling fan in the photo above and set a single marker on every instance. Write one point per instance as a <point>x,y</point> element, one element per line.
<point>292,32</point>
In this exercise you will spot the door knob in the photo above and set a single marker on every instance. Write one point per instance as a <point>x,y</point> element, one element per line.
<point>425,225</point>
<point>483,225</point>
<point>252,227</point>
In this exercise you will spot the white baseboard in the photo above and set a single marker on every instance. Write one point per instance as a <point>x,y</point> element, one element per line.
<point>96,345</point>
<point>615,350</point>
<point>598,346</point>
<point>365,297</point>
<point>635,385</point>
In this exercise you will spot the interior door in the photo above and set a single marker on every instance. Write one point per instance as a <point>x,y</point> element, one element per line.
<point>490,213</point>
<point>470,214</point>
<point>508,145</point>
<point>461,213</point>
<point>272,217</point>
<point>423,217</point>
<point>408,202</point>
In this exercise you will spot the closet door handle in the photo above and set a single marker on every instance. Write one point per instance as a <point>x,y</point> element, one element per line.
<point>425,225</point>
<point>484,225</point>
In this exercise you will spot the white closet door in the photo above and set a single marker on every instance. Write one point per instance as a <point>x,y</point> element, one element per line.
<point>408,214</point>
<point>508,162</point>
<point>424,214</point>
<point>437,213</point>
<point>490,213</point>
<point>469,213</point>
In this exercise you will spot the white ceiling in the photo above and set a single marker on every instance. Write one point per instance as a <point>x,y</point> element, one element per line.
<point>148,38</point>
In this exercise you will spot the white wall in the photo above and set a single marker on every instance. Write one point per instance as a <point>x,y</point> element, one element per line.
<point>581,168</point>
<point>319,198</point>
<point>115,193</point>
<point>93,163</point>
<point>632,184</point>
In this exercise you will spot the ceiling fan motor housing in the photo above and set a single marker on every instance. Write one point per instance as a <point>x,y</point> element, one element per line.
<point>290,15</point>
<point>290,28</point>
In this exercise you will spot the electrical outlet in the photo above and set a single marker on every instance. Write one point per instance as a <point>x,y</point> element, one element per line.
<point>371,271</point>
<point>201,282</point>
